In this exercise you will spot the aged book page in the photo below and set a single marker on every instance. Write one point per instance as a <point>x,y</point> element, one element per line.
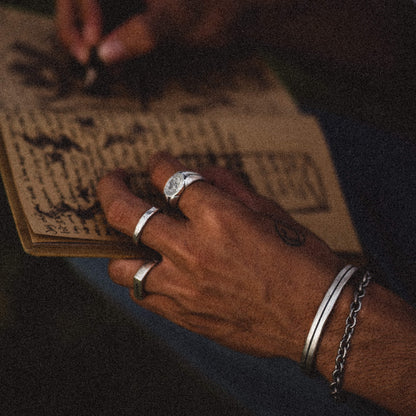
<point>58,139</point>
<point>37,73</point>
<point>57,159</point>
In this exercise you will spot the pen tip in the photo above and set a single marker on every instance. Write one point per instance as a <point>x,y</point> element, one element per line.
<point>95,75</point>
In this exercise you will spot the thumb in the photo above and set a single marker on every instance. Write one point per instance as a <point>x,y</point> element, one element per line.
<point>137,36</point>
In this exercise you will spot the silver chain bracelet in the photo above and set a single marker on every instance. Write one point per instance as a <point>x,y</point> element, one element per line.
<point>350,324</point>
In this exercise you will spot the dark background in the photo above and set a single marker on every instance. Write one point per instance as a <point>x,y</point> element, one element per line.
<point>65,351</point>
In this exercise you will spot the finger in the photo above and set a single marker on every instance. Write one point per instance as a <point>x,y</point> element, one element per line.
<point>123,210</point>
<point>134,38</point>
<point>233,185</point>
<point>92,21</point>
<point>67,24</point>
<point>141,34</point>
<point>163,279</point>
<point>160,305</point>
<point>288,228</point>
<point>196,197</point>
<point>122,273</point>
<point>230,183</point>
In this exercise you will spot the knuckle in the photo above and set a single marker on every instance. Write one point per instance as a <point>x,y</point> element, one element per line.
<point>219,217</point>
<point>187,252</point>
<point>190,256</point>
<point>212,214</point>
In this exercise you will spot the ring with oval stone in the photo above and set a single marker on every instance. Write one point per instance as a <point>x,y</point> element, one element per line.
<point>177,183</point>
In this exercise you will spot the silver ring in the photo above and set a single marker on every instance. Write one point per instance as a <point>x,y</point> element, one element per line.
<point>177,183</point>
<point>142,222</point>
<point>140,278</point>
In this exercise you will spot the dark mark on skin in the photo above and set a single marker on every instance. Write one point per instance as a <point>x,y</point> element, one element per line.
<point>289,234</point>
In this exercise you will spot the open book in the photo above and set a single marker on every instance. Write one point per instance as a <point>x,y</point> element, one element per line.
<point>56,142</point>
<point>52,162</point>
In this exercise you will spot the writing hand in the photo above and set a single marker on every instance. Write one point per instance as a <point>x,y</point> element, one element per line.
<point>189,23</point>
<point>236,268</point>
<point>79,24</point>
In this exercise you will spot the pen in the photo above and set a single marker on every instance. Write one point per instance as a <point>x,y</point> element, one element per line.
<point>96,75</point>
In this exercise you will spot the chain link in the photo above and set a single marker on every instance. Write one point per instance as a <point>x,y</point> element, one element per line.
<point>350,324</point>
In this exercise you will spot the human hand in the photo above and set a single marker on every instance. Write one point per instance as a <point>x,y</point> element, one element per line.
<point>236,269</point>
<point>188,23</point>
<point>79,24</point>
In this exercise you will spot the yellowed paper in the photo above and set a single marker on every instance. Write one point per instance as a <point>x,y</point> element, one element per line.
<point>57,159</point>
<point>60,140</point>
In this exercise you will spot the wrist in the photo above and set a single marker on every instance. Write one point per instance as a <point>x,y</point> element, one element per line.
<point>380,363</point>
<point>322,315</point>
<point>314,284</point>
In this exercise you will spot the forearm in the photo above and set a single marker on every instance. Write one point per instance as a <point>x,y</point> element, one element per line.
<point>382,360</point>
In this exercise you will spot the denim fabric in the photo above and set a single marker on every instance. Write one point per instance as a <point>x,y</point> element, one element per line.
<point>377,172</point>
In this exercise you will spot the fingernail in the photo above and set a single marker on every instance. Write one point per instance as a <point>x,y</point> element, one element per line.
<point>111,50</point>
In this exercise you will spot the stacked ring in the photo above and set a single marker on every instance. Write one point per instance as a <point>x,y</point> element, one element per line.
<point>140,278</point>
<point>177,183</point>
<point>142,222</point>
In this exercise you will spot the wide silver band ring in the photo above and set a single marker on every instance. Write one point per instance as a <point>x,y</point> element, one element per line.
<point>140,278</point>
<point>142,222</point>
<point>177,183</point>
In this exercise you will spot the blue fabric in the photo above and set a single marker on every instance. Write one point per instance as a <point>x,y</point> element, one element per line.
<point>377,173</point>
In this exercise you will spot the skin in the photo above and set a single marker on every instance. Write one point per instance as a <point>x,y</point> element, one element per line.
<point>79,37</point>
<point>230,253</point>
<point>237,251</point>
